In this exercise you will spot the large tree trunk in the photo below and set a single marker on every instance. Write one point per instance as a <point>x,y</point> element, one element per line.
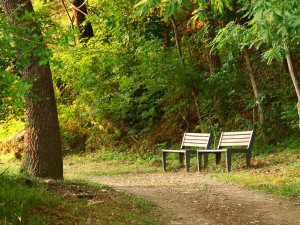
<point>43,153</point>
<point>295,79</point>
<point>80,14</point>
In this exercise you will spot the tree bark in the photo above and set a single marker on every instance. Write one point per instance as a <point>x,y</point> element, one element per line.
<point>80,14</point>
<point>43,153</point>
<point>295,79</point>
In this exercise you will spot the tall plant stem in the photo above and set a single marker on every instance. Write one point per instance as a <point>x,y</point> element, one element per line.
<point>255,90</point>
<point>214,59</point>
<point>72,25</point>
<point>177,40</point>
<point>71,21</point>
<point>252,78</point>
<point>295,78</point>
<point>197,105</point>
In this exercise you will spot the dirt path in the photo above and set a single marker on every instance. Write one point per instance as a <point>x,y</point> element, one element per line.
<point>192,198</point>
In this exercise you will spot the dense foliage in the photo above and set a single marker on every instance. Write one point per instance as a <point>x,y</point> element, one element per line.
<point>147,75</point>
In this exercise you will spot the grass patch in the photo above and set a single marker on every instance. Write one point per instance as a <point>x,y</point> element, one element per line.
<point>19,198</point>
<point>71,201</point>
<point>101,204</point>
<point>274,173</point>
<point>139,205</point>
<point>97,163</point>
<point>24,201</point>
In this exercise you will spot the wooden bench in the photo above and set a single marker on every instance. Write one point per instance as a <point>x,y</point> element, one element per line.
<point>189,140</point>
<point>230,139</point>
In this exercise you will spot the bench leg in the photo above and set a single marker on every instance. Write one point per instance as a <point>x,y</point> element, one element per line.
<point>228,160</point>
<point>199,157</point>
<point>181,156</point>
<point>187,161</point>
<point>248,158</point>
<point>205,160</point>
<point>218,158</point>
<point>164,159</point>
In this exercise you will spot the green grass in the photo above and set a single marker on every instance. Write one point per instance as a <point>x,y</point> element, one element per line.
<point>99,163</point>
<point>275,173</point>
<point>70,202</point>
<point>19,199</point>
<point>64,202</point>
<point>140,205</point>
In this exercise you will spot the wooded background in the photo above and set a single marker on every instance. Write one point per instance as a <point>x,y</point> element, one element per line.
<point>135,75</point>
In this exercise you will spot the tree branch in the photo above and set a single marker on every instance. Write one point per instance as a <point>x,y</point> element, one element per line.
<point>78,9</point>
<point>68,14</point>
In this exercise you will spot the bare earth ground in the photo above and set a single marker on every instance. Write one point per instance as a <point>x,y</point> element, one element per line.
<point>192,198</point>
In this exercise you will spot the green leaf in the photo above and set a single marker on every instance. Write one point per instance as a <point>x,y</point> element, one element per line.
<point>141,4</point>
<point>198,14</point>
<point>278,12</point>
<point>44,61</point>
<point>143,7</point>
<point>202,4</point>
<point>186,4</point>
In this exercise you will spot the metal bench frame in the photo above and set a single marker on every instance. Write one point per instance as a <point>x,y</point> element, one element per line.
<point>189,140</point>
<point>229,139</point>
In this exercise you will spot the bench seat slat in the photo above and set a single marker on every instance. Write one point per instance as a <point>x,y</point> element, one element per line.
<point>195,145</point>
<point>174,150</point>
<point>235,144</point>
<point>212,150</point>
<point>227,140</point>
<point>196,138</point>
<point>197,134</point>
<point>195,141</point>
<point>236,136</point>
<point>237,133</point>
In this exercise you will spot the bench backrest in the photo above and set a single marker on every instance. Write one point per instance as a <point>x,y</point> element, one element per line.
<point>241,138</point>
<point>196,140</point>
